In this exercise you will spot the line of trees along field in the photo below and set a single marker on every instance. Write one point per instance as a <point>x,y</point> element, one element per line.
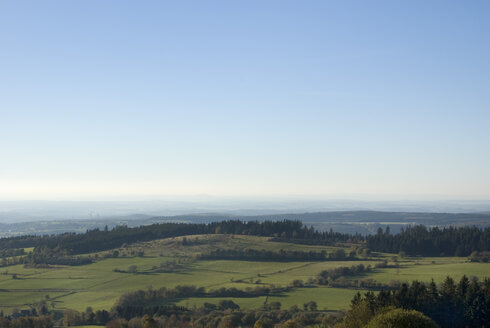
<point>160,301</point>
<point>416,240</point>
<point>281,255</point>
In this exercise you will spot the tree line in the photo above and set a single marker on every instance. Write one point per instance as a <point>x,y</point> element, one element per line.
<point>225,314</point>
<point>26,322</point>
<point>43,256</point>
<point>412,240</point>
<point>99,240</point>
<point>161,301</point>
<point>452,304</point>
<point>420,240</point>
<point>282,255</point>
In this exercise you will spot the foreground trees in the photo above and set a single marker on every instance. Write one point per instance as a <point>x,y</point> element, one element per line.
<point>452,305</point>
<point>27,322</point>
<point>396,318</point>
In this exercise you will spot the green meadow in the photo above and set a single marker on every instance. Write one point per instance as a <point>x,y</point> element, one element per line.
<point>98,285</point>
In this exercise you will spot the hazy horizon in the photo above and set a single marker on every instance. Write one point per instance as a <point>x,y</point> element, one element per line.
<point>36,210</point>
<point>130,100</point>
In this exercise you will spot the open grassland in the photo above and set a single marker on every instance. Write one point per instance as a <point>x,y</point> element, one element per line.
<point>437,269</point>
<point>326,298</point>
<point>99,286</point>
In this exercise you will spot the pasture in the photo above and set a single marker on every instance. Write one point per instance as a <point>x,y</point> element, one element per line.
<point>99,286</point>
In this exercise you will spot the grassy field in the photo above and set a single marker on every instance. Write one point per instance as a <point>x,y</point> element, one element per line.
<point>98,286</point>
<point>424,270</point>
<point>326,298</point>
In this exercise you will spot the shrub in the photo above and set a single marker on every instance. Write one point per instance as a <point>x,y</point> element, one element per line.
<point>400,318</point>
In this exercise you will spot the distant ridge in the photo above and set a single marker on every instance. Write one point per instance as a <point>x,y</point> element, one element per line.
<point>364,222</point>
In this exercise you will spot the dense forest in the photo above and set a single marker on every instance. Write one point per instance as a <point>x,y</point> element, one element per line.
<point>99,240</point>
<point>451,305</point>
<point>416,240</point>
<point>419,240</point>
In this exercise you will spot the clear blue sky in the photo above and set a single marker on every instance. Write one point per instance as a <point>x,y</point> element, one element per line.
<point>250,98</point>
